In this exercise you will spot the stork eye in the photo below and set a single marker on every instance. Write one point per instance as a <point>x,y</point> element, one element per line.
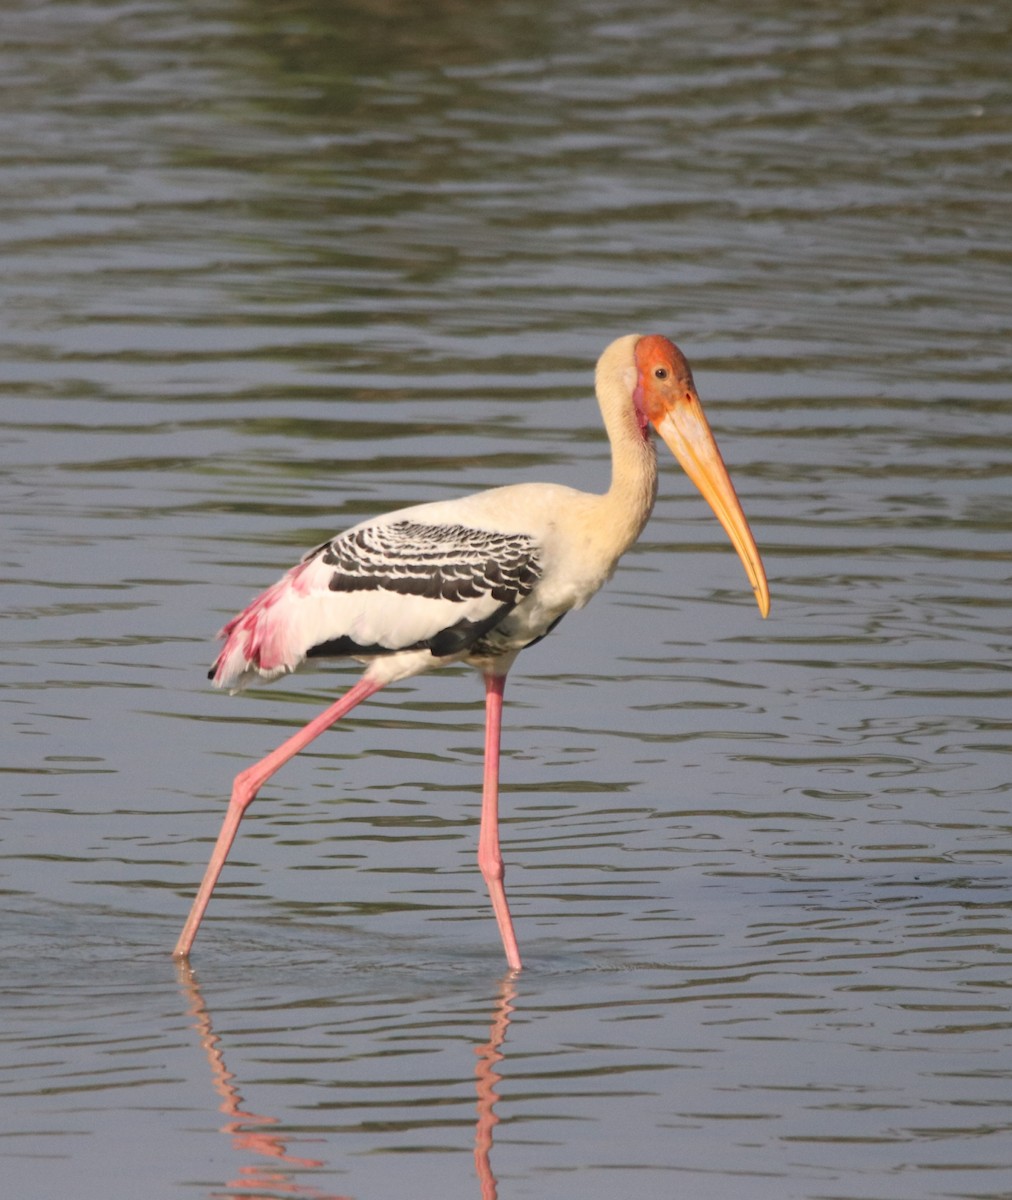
<point>660,372</point>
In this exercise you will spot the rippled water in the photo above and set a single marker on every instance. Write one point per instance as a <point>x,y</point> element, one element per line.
<point>269,269</point>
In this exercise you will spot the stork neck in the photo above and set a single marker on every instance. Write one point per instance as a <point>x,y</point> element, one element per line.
<point>627,504</point>
<point>630,498</point>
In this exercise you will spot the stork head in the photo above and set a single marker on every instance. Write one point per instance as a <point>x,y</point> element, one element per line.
<point>658,381</point>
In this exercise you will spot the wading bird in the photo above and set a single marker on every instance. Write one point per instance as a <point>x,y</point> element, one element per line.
<point>475,580</point>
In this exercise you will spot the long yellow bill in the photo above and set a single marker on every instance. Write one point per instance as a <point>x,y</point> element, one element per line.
<point>687,434</point>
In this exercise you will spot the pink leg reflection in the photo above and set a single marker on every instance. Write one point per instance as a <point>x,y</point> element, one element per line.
<point>246,1128</point>
<point>489,1056</point>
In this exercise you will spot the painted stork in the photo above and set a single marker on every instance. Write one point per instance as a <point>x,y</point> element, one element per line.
<point>475,580</point>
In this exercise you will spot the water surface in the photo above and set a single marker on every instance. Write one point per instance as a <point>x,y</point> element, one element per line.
<point>268,270</point>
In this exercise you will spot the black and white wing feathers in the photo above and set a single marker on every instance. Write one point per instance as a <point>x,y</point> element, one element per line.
<point>415,586</point>
<point>383,588</point>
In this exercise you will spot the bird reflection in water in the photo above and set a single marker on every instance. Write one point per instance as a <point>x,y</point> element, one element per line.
<point>486,1078</point>
<point>249,1131</point>
<point>258,1135</point>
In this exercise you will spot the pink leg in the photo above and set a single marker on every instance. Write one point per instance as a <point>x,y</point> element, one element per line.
<point>489,856</point>
<point>247,784</point>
